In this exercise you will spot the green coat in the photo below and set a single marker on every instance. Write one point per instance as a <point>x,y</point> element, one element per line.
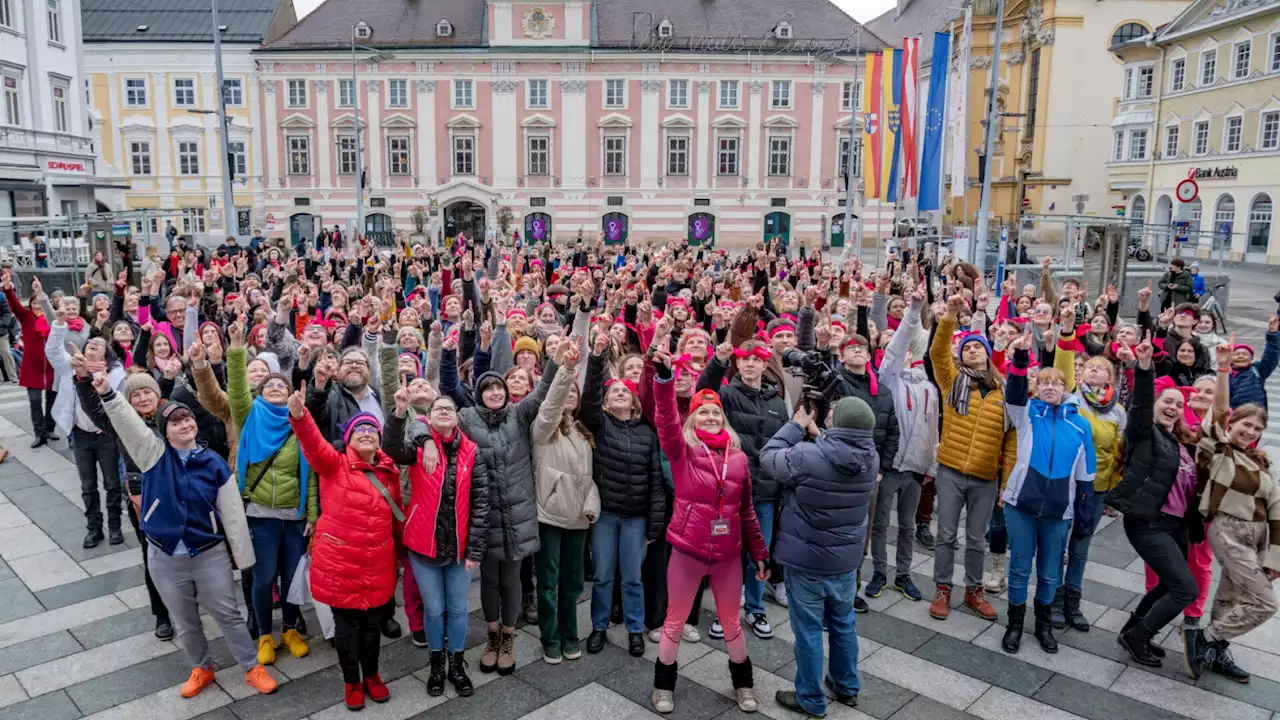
<point>278,489</point>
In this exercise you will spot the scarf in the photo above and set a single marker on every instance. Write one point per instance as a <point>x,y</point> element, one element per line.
<point>265,430</point>
<point>718,441</point>
<point>1102,400</point>
<point>963,385</point>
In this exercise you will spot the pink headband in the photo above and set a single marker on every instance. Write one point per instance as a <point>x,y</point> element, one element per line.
<point>629,385</point>
<point>763,353</point>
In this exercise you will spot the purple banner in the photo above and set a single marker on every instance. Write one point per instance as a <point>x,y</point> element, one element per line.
<point>613,230</point>
<point>700,229</point>
<point>538,229</point>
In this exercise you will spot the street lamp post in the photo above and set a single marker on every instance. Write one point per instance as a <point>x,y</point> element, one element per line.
<point>355,92</point>
<point>228,197</point>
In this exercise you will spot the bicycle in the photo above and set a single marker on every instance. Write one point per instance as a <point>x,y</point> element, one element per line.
<point>1209,303</point>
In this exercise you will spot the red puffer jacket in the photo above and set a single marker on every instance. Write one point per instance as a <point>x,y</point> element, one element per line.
<point>35,372</point>
<point>353,553</point>
<point>470,503</point>
<point>695,474</point>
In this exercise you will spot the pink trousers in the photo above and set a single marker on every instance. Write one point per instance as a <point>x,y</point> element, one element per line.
<point>413,608</point>
<point>684,575</point>
<point>1200,560</point>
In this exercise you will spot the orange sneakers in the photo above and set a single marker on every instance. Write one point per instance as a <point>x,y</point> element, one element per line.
<point>200,679</point>
<point>261,680</point>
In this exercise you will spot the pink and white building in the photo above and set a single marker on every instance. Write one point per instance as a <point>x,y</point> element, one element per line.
<point>724,119</point>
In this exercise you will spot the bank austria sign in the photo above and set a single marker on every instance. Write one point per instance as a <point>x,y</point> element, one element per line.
<point>1227,172</point>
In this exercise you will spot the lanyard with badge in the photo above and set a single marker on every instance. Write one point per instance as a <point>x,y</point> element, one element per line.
<point>720,527</point>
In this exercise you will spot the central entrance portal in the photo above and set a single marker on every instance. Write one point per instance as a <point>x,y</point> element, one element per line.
<point>465,217</point>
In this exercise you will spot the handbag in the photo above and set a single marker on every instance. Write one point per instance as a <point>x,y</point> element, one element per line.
<point>396,512</point>
<point>263,472</point>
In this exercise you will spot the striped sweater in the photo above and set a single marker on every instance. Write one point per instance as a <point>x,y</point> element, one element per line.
<point>1238,483</point>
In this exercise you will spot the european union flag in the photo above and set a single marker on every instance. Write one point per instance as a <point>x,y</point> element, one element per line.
<point>935,125</point>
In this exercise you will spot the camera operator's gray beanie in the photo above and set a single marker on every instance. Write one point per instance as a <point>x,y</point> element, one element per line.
<point>853,413</point>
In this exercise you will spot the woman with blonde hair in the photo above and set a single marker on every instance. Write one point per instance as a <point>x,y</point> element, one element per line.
<point>714,518</point>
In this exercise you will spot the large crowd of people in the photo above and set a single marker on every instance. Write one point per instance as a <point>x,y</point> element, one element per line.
<point>656,419</point>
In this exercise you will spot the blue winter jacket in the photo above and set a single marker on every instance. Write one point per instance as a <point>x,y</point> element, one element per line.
<point>1250,385</point>
<point>826,497</point>
<point>1055,449</point>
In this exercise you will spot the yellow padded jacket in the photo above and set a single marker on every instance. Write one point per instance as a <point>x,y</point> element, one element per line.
<point>971,443</point>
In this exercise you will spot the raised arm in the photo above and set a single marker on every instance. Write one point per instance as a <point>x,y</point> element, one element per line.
<point>944,364</point>
<point>667,416</point>
<point>593,393</point>
<point>1271,352</point>
<point>320,454</point>
<point>548,417</point>
<point>139,441</point>
<point>527,409</point>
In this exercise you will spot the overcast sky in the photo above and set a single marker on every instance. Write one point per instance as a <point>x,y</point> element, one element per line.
<point>861,10</point>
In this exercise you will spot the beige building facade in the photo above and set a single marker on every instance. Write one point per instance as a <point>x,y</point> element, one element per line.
<point>1201,99</point>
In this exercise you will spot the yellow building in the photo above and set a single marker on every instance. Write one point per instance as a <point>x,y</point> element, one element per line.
<point>1053,89</point>
<point>152,90</point>
<point>1201,100</point>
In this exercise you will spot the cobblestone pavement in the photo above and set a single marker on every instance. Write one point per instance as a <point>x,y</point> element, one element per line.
<point>76,641</point>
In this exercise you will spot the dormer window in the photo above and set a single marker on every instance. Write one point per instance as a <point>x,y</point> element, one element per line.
<point>782,31</point>
<point>142,28</point>
<point>363,31</point>
<point>444,29</point>
<point>665,29</point>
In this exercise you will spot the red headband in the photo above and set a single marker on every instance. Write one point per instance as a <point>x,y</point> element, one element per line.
<point>784,327</point>
<point>629,385</point>
<point>763,353</point>
<point>517,311</point>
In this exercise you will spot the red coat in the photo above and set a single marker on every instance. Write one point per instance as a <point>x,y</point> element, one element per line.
<point>35,372</point>
<point>424,502</point>
<point>353,553</point>
<point>698,504</point>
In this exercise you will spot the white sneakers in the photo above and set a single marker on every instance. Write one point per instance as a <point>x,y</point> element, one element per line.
<point>689,634</point>
<point>996,579</point>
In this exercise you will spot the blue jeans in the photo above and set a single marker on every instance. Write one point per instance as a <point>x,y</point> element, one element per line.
<point>618,543</point>
<point>444,600</point>
<point>810,598</point>
<point>278,546</point>
<point>1088,512</point>
<point>1041,539</point>
<point>754,600</point>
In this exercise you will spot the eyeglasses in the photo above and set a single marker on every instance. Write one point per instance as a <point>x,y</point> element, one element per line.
<point>365,430</point>
<point>355,362</point>
<point>1051,384</point>
<point>444,410</point>
<point>275,385</point>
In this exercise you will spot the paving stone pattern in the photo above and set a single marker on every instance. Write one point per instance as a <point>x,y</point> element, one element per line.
<point>76,642</point>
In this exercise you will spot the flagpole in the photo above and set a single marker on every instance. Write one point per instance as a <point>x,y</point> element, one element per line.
<point>989,148</point>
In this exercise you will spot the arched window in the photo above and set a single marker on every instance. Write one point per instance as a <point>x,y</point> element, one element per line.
<point>1138,213</point>
<point>1224,217</point>
<point>1259,224</point>
<point>1127,32</point>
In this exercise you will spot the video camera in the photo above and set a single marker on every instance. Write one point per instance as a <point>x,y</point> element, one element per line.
<point>819,381</point>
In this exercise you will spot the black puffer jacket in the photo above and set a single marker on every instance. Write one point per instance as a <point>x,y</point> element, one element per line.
<point>1151,456</point>
<point>756,415</point>
<point>886,431</point>
<point>627,462</point>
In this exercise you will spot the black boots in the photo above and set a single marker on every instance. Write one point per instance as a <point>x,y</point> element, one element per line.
<point>1193,651</point>
<point>595,642</point>
<point>1071,609</point>
<point>458,675</point>
<point>1217,657</point>
<point>1057,613</point>
<point>1044,629</point>
<point>1136,640</point>
<point>390,628</point>
<point>1132,621</point>
<point>93,538</point>
<point>114,536</point>
<point>435,682</point>
<point>1013,633</point>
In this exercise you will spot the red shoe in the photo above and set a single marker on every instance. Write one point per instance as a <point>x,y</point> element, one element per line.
<point>376,689</point>
<point>354,695</point>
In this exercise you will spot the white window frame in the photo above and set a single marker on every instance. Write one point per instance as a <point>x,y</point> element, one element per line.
<point>842,146</point>
<point>239,151</point>
<point>1230,123</point>
<point>184,97</point>
<point>1172,136</point>
<point>345,149</point>
<point>678,147</point>
<point>780,95</point>
<point>616,146</point>
<point>850,95</point>
<point>1127,91</point>
<point>53,14</point>
<point>1117,146</point>
<point>1177,75</point>
<point>732,89</point>
<point>398,93</point>
<point>140,157</point>
<point>537,161</point>
<point>298,154</point>
<point>8,18</point>
<point>1208,67</point>
<point>136,97</point>
<point>464,145</point>
<point>346,93</point>
<point>12,88</point>
<point>729,148</point>
<point>190,228</point>
<point>678,94</point>
<point>780,148</point>
<point>1242,50</point>
<point>1139,138</point>
<point>296,93</point>
<point>1272,143</point>
<point>1275,53</point>
<point>399,159</point>
<point>1199,148</point>
<point>537,94</point>
<point>233,91</point>
<point>615,94</point>
<point>61,105</point>
<point>1144,81</point>
<point>464,94</point>
<point>189,158</point>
